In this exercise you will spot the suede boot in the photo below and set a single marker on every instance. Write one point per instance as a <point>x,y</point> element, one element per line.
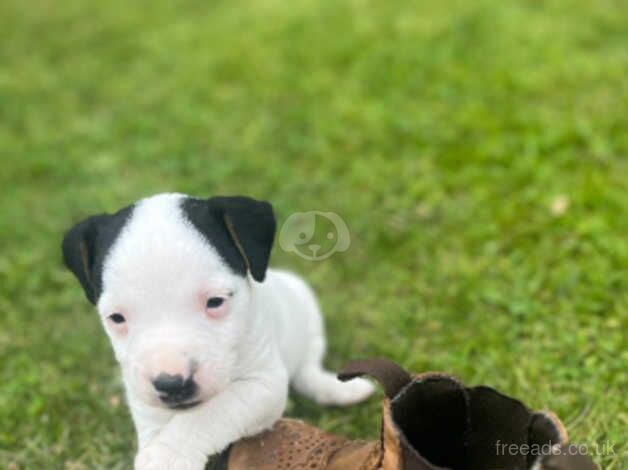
<point>430,422</point>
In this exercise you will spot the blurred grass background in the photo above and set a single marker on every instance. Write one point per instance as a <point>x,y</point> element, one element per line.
<point>476,150</point>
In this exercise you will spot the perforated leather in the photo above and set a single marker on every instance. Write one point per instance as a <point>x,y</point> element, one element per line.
<point>294,445</point>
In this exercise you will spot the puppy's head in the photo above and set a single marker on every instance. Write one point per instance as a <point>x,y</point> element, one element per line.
<point>169,276</point>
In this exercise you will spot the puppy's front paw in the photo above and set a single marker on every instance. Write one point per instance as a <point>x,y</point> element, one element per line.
<point>161,457</point>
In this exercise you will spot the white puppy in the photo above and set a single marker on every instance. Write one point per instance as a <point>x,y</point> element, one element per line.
<point>206,348</point>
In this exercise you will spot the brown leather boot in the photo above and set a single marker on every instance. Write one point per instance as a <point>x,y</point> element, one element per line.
<point>430,422</point>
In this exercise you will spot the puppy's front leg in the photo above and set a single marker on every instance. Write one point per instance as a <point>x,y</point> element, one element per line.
<point>246,407</point>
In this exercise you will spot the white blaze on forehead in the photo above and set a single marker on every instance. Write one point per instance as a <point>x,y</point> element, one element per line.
<point>159,253</point>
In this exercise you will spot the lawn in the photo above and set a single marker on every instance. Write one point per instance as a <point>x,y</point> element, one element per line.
<point>477,152</point>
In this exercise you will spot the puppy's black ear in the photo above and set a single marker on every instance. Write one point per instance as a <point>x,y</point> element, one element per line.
<point>252,226</point>
<point>240,228</point>
<point>87,243</point>
<point>79,253</point>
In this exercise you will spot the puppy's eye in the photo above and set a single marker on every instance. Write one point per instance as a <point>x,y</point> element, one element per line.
<point>117,318</point>
<point>215,302</point>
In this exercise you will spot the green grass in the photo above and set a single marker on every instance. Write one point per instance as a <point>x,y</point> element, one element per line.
<point>446,134</point>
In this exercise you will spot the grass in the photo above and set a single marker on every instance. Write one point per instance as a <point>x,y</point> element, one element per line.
<point>476,150</point>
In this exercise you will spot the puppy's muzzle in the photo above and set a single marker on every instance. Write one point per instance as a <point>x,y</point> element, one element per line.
<point>175,391</point>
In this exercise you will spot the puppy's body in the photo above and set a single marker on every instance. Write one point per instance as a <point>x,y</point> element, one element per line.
<point>206,351</point>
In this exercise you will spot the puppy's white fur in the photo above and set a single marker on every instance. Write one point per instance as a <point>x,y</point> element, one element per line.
<point>158,274</point>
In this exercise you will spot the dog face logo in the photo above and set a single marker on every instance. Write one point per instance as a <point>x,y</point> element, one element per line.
<point>314,235</point>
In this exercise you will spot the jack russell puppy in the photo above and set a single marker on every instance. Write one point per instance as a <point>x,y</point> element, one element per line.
<point>207,337</point>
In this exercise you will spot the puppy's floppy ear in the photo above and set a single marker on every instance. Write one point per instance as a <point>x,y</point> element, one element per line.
<point>251,225</point>
<point>79,253</point>
<point>242,229</point>
<point>87,243</point>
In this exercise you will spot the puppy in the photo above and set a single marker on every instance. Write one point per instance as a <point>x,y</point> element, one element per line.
<point>207,337</point>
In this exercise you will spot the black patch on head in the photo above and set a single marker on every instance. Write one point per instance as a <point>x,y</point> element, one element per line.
<point>240,228</point>
<point>86,245</point>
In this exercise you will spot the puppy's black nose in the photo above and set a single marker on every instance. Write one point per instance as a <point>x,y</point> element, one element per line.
<point>174,389</point>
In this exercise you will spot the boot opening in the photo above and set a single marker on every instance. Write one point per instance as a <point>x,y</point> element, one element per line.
<point>460,428</point>
<point>432,417</point>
